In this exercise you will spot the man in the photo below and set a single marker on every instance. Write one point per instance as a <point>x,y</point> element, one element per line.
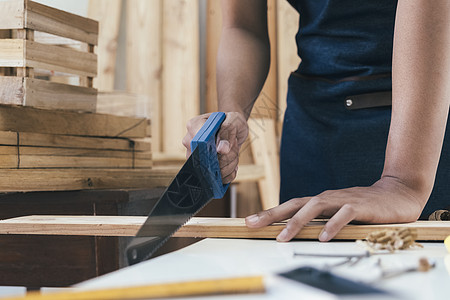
<point>364,165</point>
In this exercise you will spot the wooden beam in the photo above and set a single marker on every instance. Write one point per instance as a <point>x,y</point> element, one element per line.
<point>107,13</point>
<point>264,145</point>
<point>46,95</point>
<point>181,72</point>
<point>266,105</point>
<point>213,32</point>
<point>26,119</point>
<point>73,152</point>
<point>31,180</point>
<point>24,139</point>
<point>200,227</point>
<point>144,60</point>
<point>287,57</point>
<point>24,161</point>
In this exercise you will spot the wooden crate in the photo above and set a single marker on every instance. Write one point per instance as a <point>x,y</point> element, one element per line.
<point>31,53</point>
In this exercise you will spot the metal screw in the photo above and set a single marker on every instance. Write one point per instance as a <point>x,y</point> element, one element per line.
<point>349,102</point>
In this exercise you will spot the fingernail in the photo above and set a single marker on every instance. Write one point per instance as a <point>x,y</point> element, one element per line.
<point>283,235</point>
<point>253,219</point>
<point>223,147</point>
<point>323,237</point>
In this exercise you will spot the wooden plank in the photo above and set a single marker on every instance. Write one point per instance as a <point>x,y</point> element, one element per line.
<point>201,227</point>
<point>263,142</point>
<point>107,13</point>
<point>213,32</point>
<point>181,72</point>
<point>29,180</point>
<point>144,59</point>
<point>48,151</point>
<point>51,20</point>
<point>24,161</point>
<point>67,141</point>
<point>62,59</point>
<point>46,95</point>
<point>121,103</point>
<point>266,104</point>
<point>27,119</point>
<point>287,58</point>
<point>250,173</point>
<point>24,53</point>
<point>12,14</point>
<point>12,53</point>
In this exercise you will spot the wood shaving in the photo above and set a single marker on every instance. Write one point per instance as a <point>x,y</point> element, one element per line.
<point>391,240</point>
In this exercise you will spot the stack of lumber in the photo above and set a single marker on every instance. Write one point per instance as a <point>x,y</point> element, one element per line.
<point>50,136</point>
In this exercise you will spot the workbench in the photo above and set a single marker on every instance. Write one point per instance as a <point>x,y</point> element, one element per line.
<point>224,258</point>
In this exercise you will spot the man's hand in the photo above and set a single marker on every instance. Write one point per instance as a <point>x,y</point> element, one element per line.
<point>387,201</point>
<point>231,136</point>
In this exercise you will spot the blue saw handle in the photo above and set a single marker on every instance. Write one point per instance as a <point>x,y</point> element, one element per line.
<point>205,141</point>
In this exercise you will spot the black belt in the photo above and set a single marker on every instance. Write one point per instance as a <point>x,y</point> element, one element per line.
<point>369,100</point>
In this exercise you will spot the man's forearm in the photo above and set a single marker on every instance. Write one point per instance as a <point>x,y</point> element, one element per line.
<point>242,66</point>
<point>421,92</point>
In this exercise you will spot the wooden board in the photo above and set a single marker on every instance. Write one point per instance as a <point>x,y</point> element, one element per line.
<point>72,142</point>
<point>46,95</point>
<point>49,151</point>
<point>287,58</point>
<point>107,13</point>
<point>181,71</point>
<point>263,142</point>
<point>144,60</point>
<point>199,227</point>
<point>29,180</point>
<point>24,161</point>
<point>27,119</point>
<point>24,53</point>
<point>266,105</point>
<point>19,14</point>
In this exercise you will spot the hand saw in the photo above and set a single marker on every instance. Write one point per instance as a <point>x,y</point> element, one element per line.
<point>198,182</point>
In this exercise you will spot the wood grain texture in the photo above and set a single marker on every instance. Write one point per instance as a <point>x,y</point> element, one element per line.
<point>12,14</point>
<point>51,20</point>
<point>29,180</point>
<point>201,227</point>
<point>263,142</point>
<point>24,139</point>
<point>213,32</point>
<point>26,119</point>
<point>181,72</point>
<point>46,95</point>
<point>19,14</point>
<point>287,57</point>
<point>266,105</point>
<point>49,151</point>
<point>30,161</point>
<point>107,13</point>
<point>144,59</point>
<point>24,53</point>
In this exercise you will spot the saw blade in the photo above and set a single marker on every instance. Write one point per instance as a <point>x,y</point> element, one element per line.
<point>184,197</point>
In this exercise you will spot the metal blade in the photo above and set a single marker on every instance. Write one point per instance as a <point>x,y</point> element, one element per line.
<point>185,196</point>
